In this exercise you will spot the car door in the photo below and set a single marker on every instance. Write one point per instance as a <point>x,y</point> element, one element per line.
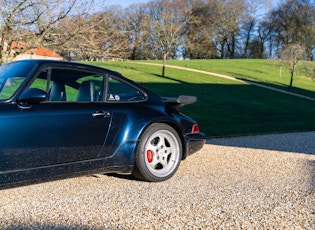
<point>60,131</point>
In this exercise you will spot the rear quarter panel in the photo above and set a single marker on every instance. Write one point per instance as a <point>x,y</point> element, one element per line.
<point>128,123</point>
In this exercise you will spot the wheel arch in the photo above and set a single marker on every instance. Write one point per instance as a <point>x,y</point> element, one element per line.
<point>158,171</point>
<point>172,124</point>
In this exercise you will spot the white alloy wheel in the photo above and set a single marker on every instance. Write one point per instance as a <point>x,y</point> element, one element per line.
<point>159,153</point>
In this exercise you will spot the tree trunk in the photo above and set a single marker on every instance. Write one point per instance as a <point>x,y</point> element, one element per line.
<point>164,62</point>
<point>291,80</point>
<point>233,46</point>
<point>222,43</point>
<point>248,37</point>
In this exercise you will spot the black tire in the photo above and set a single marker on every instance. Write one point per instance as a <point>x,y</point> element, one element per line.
<point>159,153</point>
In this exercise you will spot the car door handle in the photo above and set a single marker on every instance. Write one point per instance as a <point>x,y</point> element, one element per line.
<point>101,114</point>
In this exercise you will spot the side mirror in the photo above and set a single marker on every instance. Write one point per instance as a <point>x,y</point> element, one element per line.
<point>33,96</point>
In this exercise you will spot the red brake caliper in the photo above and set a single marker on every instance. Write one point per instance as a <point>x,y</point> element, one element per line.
<point>149,156</point>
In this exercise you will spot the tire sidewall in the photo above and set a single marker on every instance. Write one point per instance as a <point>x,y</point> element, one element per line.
<point>140,158</point>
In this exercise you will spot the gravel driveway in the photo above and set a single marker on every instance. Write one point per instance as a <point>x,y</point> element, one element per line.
<point>255,182</point>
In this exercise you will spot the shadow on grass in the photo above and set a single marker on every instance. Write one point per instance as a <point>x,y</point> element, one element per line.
<point>240,109</point>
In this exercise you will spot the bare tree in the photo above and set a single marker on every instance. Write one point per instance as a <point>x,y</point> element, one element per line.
<point>229,16</point>
<point>293,56</point>
<point>31,24</point>
<point>137,23</point>
<point>167,23</point>
<point>199,30</point>
<point>294,23</point>
<point>254,13</point>
<point>101,35</point>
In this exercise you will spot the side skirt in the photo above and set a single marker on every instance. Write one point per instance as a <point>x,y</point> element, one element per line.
<point>48,173</point>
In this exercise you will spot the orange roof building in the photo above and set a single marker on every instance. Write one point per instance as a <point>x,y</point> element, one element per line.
<point>39,53</point>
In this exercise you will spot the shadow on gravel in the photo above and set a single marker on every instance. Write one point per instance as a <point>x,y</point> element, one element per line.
<point>121,176</point>
<point>302,142</point>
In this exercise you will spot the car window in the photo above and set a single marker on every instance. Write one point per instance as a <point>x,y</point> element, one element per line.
<point>69,85</point>
<point>12,76</point>
<point>72,85</point>
<point>9,86</point>
<point>121,92</point>
<point>91,88</point>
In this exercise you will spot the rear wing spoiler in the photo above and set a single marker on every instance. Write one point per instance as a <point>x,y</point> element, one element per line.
<point>181,101</point>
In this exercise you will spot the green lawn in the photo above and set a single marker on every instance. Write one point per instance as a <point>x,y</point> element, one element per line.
<point>262,71</point>
<point>226,107</point>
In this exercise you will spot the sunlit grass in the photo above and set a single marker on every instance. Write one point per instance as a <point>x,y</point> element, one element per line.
<point>226,107</point>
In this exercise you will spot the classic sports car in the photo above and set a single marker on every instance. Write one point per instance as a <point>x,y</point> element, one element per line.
<point>61,118</point>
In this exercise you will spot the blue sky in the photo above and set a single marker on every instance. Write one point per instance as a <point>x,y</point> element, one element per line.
<point>124,3</point>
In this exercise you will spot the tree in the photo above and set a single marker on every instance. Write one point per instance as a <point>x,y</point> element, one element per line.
<point>167,22</point>
<point>294,23</point>
<point>31,24</point>
<point>199,30</point>
<point>87,40</point>
<point>253,17</point>
<point>256,46</point>
<point>293,56</point>
<point>103,35</point>
<point>136,18</point>
<point>229,16</point>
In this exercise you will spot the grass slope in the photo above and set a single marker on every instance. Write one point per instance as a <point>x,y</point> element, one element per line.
<point>261,71</point>
<point>227,107</point>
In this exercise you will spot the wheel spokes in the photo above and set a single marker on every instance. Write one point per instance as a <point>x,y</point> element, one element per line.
<point>159,153</point>
<point>162,153</point>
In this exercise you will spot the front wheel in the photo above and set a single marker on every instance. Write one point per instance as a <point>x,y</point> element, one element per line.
<point>159,153</point>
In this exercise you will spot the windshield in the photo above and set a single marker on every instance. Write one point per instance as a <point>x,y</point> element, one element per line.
<point>12,75</point>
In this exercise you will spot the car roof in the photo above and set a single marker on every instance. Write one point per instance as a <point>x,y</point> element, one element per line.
<point>61,63</point>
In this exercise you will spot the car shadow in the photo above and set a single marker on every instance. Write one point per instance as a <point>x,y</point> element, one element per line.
<point>122,176</point>
<point>299,142</point>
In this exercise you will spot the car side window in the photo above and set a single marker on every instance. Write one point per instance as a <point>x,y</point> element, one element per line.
<point>70,85</point>
<point>90,88</point>
<point>121,92</point>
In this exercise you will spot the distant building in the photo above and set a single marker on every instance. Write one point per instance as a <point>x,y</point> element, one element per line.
<point>39,53</point>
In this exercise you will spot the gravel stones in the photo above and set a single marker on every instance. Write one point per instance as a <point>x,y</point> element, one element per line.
<point>256,182</point>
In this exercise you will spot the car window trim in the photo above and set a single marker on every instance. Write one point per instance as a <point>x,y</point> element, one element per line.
<point>49,71</point>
